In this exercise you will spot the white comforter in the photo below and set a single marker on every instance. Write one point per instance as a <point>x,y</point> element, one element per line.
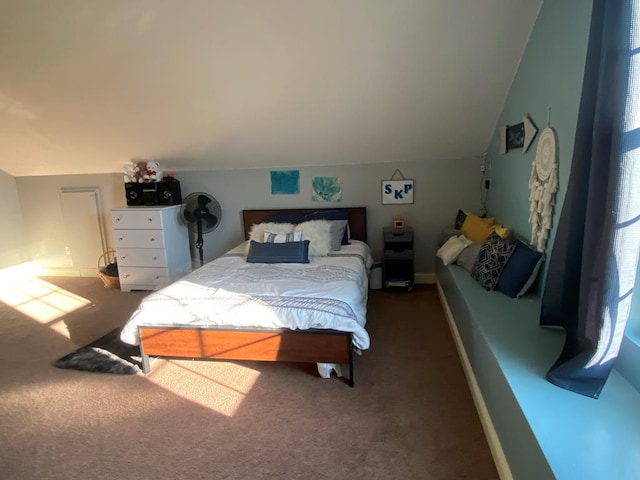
<point>328,293</point>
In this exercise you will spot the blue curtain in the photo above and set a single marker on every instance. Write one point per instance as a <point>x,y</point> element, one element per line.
<point>592,265</point>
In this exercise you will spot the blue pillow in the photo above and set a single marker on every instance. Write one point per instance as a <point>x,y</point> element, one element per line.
<point>332,215</point>
<point>520,271</point>
<point>294,218</point>
<point>290,252</point>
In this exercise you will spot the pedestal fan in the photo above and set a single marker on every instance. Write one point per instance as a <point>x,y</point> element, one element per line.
<point>202,214</point>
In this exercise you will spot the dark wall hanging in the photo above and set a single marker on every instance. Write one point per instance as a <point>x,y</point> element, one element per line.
<point>519,135</point>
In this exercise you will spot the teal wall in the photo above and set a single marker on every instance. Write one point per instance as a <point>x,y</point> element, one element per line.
<point>550,75</point>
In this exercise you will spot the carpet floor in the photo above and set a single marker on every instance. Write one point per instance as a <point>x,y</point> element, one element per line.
<point>410,415</point>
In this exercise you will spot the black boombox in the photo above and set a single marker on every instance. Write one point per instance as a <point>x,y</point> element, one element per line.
<point>153,193</point>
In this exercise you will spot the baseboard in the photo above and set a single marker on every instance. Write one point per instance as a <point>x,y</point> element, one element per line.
<point>424,278</point>
<point>68,272</point>
<point>497,452</point>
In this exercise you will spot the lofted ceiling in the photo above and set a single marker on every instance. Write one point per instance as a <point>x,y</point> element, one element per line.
<point>87,85</point>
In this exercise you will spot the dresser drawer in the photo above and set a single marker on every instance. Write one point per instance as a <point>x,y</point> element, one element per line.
<point>141,257</point>
<point>147,276</point>
<point>398,255</point>
<point>139,239</point>
<point>152,246</point>
<point>398,236</point>
<point>136,219</point>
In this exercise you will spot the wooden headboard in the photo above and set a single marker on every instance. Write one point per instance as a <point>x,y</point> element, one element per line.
<point>357,218</point>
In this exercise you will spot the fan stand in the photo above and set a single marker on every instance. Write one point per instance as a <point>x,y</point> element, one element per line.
<point>199,219</point>
<point>200,242</point>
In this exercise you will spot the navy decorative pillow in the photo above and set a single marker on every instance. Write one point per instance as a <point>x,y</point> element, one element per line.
<point>491,260</point>
<point>520,271</point>
<point>290,252</point>
<point>294,218</point>
<point>460,218</point>
<point>332,215</point>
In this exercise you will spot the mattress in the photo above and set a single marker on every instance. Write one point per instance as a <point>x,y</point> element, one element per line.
<point>327,293</point>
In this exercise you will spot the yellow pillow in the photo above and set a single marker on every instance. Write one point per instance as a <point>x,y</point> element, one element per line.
<point>502,231</point>
<point>477,229</point>
<point>487,220</point>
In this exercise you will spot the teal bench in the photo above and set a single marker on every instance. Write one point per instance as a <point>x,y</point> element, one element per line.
<point>536,430</point>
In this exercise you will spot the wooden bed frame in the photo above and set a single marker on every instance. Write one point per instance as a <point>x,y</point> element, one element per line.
<point>282,345</point>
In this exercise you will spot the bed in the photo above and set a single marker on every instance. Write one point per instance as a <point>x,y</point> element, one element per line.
<point>235,309</point>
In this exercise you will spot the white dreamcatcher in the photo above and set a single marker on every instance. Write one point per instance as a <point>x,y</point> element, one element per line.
<point>543,186</point>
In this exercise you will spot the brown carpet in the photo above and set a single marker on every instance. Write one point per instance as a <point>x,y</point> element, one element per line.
<point>410,415</point>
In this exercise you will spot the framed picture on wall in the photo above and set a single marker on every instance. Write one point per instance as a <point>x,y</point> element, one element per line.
<point>285,182</point>
<point>396,192</point>
<point>515,136</point>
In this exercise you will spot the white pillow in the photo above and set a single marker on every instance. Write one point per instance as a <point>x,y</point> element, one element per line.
<point>318,232</point>
<point>257,231</point>
<point>270,237</point>
<point>449,252</point>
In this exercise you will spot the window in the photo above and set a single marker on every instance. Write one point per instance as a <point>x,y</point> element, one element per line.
<point>628,362</point>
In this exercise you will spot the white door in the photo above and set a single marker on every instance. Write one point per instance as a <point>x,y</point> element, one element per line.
<point>81,214</point>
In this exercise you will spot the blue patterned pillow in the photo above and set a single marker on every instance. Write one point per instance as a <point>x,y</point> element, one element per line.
<point>282,237</point>
<point>492,258</point>
<point>290,252</point>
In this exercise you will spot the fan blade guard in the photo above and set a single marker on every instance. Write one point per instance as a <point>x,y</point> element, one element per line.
<point>203,208</point>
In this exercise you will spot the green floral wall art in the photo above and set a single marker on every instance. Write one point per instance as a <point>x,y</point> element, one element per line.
<point>326,189</point>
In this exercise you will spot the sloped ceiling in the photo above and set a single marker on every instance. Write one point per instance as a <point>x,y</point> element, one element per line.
<point>87,85</point>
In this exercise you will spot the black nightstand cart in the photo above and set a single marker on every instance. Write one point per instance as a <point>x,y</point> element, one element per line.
<point>397,262</point>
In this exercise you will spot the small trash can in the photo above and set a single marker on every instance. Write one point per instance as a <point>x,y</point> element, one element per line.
<point>375,276</point>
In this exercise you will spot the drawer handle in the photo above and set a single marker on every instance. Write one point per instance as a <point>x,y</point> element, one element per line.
<point>155,258</point>
<point>121,239</point>
<point>149,219</point>
<point>126,275</point>
<point>122,257</point>
<point>157,277</point>
<point>152,239</point>
<point>117,219</point>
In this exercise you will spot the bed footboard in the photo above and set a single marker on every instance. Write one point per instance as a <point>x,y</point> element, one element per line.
<point>309,346</point>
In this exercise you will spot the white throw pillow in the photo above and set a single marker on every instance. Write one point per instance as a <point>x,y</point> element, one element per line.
<point>270,237</point>
<point>449,252</point>
<point>257,231</point>
<point>318,232</point>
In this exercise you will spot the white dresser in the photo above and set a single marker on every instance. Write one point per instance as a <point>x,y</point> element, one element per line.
<point>152,246</point>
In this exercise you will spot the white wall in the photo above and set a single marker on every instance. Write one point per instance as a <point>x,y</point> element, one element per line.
<point>45,234</point>
<point>12,247</point>
<point>440,189</point>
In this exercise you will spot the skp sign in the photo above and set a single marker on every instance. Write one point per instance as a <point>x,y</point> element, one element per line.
<point>397,191</point>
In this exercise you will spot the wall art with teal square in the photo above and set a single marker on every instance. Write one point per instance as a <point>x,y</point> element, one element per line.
<point>326,189</point>
<point>285,182</point>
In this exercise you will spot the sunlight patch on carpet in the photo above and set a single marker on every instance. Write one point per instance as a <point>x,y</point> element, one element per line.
<point>21,289</point>
<point>220,386</point>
